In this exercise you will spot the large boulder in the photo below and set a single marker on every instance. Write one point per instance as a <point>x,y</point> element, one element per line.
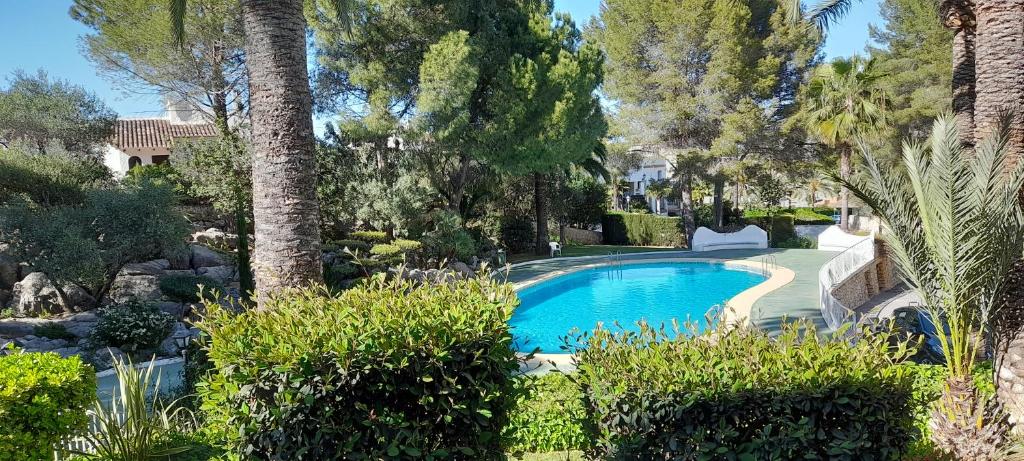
<point>216,238</point>
<point>205,257</point>
<point>35,295</point>
<point>8,272</point>
<point>134,287</point>
<point>154,267</point>
<point>5,296</point>
<point>222,274</point>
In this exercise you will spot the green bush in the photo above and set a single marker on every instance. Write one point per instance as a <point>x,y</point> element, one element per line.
<point>807,216</point>
<point>132,326</point>
<point>641,229</point>
<point>548,416</point>
<point>53,330</point>
<point>517,234</point>
<point>186,288</point>
<point>449,239</point>
<point>796,242</point>
<point>337,274</point>
<point>385,370</point>
<point>352,245</point>
<point>370,237</point>
<point>407,245</point>
<point>386,250</point>
<point>43,399</point>
<point>651,395</point>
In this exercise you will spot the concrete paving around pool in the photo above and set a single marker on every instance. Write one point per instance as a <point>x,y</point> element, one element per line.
<point>796,300</point>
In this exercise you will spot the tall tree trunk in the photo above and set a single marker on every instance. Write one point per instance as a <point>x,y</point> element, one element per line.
<point>719,203</point>
<point>686,208</point>
<point>285,209</point>
<point>1000,75</point>
<point>844,194</point>
<point>540,208</point>
<point>959,16</point>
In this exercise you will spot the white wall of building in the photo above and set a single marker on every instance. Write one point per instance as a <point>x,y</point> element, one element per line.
<point>118,161</point>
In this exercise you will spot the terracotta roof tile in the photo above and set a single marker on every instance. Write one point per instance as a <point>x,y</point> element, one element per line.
<point>156,132</point>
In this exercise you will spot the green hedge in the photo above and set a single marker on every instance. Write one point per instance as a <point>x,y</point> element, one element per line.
<point>370,237</point>
<point>548,416</point>
<point>641,229</point>
<point>781,228</point>
<point>43,399</point>
<point>385,370</point>
<point>745,394</point>
<point>517,234</point>
<point>385,250</point>
<point>352,245</point>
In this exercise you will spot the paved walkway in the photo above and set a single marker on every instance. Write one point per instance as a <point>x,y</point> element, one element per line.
<point>798,299</point>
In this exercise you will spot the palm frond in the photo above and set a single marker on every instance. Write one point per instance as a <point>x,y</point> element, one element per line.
<point>177,9</point>
<point>828,12</point>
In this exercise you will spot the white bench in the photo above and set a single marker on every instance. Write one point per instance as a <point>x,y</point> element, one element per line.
<point>705,239</point>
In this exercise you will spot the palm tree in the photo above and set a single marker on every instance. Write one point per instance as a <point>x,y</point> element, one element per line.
<point>958,15</point>
<point>841,105</point>
<point>658,190</point>
<point>954,228</point>
<point>1000,77</point>
<point>285,209</point>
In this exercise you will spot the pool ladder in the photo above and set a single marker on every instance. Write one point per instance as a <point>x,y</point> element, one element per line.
<point>614,261</point>
<point>768,265</point>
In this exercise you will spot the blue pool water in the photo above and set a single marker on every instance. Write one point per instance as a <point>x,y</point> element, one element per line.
<point>654,292</point>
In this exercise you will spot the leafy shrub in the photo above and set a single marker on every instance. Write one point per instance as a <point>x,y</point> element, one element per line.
<point>370,237</point>
<point>43,399</point>
<point>186,288</point>
<point>449,240</point>
<point>352,245</point>
<point>806,216</point>
<point>385,370</point>
<point>928,383</point>
<point>796,242</point>
<point>132,326</point>
<point>386,250</point>
<point>641,229</point>
<point>335,275</point>
<point>49,179</point>
<point>517,234</point>
<point>547,416</point>
<point>638,204</point>
<point>407,245</point>
<point>651,396</point>
<point>53,330</point>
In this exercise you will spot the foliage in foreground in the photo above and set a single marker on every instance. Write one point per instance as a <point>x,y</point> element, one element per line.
<point>384,370</point>
<point>132,326</point>
<point>744,393</point>
<point>136,424</point>
<point>954,229</point>
<point>548,416</point>
<point>43,398</point>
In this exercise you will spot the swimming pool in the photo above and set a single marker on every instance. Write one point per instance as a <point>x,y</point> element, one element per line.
<point>656,292</point>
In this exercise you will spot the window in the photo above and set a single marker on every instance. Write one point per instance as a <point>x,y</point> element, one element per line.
<point>159,159</point>
<point>133,162</point>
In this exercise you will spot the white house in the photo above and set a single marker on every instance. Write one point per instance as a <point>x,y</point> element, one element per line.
<point>655,166</point>
<point>147,141</point>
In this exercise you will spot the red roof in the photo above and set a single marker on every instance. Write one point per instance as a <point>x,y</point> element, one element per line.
<point>157,132</point>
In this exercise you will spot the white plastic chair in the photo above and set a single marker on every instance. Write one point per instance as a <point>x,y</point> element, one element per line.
<point>555,248</point>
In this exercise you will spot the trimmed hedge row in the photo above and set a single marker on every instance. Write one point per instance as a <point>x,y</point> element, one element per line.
<point>386,370</point>
<point>745,394</point>
<point>641,229</point>
<point>43,399</point>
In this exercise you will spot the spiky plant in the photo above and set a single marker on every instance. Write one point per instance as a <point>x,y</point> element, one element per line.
<point>954,226</point>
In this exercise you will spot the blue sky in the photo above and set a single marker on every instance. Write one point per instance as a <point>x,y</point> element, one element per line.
<point>40,35</point>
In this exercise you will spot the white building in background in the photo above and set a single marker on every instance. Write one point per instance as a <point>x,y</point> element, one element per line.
<point>148,141</point>
<point>655,166</point>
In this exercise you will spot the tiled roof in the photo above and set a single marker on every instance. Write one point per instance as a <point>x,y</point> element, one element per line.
<point>157,132</point>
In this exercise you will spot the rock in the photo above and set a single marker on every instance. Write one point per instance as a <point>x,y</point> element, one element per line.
<point>83,317</point>
<point>16,327</point>
<point>8,272</point>
<point>169,347</point>
<point>180,259</point>
<point>216,238</point>
<point>176,309</point>
<point>222,274</point>
<point>205,257</point>
<point>462,269</point>
<point>5,297</point>
<point>67,351</point>
<point>176,272</point>
<point>134,287</point>
<point>80,329</point>
<point>35,295</point>
<point>154,267</point>
<point>180,331</point>
<point>104,357</point>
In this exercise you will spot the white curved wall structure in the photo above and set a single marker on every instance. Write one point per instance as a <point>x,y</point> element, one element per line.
<point>705,239</point>
<point>857,255</point>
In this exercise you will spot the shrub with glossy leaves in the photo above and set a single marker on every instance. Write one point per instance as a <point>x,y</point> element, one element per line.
<point>43,399</point>
<point>386,370</point>
<point>132,326</point>
<point>652,395</point>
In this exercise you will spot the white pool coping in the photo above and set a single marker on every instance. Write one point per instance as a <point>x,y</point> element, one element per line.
<point>737,309</point>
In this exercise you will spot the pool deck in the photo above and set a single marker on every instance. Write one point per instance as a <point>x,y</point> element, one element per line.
<point>796,300</point>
